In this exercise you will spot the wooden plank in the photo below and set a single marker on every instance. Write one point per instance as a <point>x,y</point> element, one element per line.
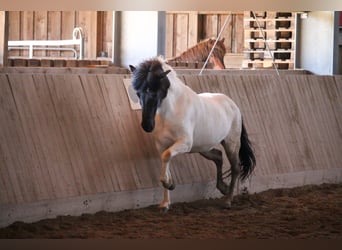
<point>100,31</point>
<point>293,126</point>
<point>193,29</point>
<point>4,18</point>
<point>27,32</point>
<point>211,26</point>
<point>238,34</point>
<point>227,32</point>
<point>14,25</point>
<point>13,176</point>
<point>107,38</point>
<point>40,29</point>
<point>66,93</point>
<point>54,29</point>
<point>38,119</point>
<point>273,122</point>
<point>329,107</point>
<point>102,131</point>
<point>21,146</point>
<point>52,139</point>
<point>181,37</point>
<point>169,48</point>
<point>87,20</point>
<point>68,25</point>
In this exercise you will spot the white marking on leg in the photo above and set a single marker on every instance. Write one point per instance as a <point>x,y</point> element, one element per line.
<point>165,204</point>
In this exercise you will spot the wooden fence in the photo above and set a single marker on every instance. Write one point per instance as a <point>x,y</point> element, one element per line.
<point>65,136</point>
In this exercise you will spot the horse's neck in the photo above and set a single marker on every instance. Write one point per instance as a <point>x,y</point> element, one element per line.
<point>195,53</point>
<point>176,94</point>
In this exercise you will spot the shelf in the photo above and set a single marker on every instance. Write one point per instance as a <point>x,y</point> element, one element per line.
<point>272,43</point>
<point>258,40</point>
<point>266,51</point>
<point>271,19</point>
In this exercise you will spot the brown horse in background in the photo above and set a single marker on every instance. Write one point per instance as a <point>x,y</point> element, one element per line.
<point>200,52</point>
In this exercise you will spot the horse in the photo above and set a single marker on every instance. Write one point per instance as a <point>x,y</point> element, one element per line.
<point>200,52</point>
<point>183,121</point>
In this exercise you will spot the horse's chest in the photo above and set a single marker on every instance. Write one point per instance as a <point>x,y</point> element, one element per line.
<point>168,131</point>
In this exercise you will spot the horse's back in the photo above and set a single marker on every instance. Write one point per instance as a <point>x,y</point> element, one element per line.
<point>220,102</point>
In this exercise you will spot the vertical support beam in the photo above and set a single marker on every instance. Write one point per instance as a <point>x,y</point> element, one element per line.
<point>100,32</point>
<point>169,35</point>
<point>116,40</point>
<point>335,66</point>
<point>3,38</point>
<point>161,44</point>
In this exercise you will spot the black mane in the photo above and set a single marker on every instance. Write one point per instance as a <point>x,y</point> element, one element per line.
<point>146,69</point>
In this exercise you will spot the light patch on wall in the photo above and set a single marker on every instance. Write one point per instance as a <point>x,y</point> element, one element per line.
<point>132,96</point>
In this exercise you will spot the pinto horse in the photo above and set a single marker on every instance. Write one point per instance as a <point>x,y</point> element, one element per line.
<point>185,122</point>
<point>200,52</point>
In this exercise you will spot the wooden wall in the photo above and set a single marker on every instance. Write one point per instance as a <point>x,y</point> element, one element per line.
<point>68,135</point>
<point>186,29</point>
<point>71,135</point>
<point>58,25</point>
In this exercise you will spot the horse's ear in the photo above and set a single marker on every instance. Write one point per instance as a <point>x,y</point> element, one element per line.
<point>222,40</point>
<point>162,75</point>
<point>132,68</point>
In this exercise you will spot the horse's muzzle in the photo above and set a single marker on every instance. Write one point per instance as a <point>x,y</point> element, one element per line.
<point>148,126</point>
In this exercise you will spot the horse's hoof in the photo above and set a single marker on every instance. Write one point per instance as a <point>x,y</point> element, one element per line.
<point>168,186</point>
<point>172,186</point>
<point>227,205</point>
<point>164,209</point>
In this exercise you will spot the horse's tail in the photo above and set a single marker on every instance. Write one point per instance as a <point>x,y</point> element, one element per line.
<point>246,155</point>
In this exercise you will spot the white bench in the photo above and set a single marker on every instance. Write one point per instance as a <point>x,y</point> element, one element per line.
<point>77,39</point>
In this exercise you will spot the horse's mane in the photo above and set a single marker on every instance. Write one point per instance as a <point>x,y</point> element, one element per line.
<point>149,65</point>
<point>200,51</point>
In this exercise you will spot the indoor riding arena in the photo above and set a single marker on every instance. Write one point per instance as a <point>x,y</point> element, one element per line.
<point>76,163</point>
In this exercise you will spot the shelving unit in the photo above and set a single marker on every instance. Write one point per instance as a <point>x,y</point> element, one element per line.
<point>275,38</point>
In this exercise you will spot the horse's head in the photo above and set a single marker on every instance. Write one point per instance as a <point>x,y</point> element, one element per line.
<point>217,57</point>
<point>151,85</point>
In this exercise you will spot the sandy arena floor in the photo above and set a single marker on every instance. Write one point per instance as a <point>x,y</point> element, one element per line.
<point>305,212</point>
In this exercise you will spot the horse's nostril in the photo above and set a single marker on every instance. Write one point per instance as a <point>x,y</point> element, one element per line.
<point>148,127</point>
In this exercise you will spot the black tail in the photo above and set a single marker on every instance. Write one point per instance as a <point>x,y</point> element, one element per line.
<point>246,155</point>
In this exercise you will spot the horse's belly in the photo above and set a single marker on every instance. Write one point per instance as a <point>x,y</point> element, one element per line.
<point>214,122</point>
<point>206,140</point>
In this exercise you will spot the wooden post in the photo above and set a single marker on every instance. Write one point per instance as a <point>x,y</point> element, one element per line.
<point>3,38</point>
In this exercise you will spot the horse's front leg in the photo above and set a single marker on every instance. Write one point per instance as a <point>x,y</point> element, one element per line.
<point>180,146</point>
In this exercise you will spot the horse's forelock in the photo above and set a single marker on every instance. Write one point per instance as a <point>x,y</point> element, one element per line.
<point>146,71</point>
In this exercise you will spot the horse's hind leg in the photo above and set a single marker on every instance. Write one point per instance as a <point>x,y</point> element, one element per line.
<point>232,151</point>
<point>215,155</point>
